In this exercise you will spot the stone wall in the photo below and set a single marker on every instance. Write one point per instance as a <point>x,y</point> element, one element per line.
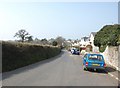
<point>119,58</point>
<point>112,56</point>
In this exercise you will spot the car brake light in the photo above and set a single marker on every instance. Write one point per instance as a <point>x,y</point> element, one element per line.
<point>86,63</point>
<point>104,65</point>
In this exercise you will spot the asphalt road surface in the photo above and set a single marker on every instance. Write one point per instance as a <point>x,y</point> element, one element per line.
<point>62,70</point>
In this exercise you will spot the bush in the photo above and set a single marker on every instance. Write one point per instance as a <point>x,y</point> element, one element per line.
<point>108,35</point>
<point>16,55</point>
<point>102,48</point>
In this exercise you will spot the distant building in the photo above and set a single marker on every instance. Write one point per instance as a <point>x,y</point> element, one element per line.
<point>91,38</point>
<point>84,42</point>
<point>84,39</point>
<point>87,43</point>
<point>76,43</point>
<point>69,43</point>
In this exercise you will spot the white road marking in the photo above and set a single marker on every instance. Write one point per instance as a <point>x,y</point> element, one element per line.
<point>114,76</point>
<point>108,73</point>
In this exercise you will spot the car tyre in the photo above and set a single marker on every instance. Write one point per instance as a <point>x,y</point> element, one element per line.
<point>85,69</point>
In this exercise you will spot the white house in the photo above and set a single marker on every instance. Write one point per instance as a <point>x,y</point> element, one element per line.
<point>91,40</point>
<point>88,43</point>
<point>84,42</point>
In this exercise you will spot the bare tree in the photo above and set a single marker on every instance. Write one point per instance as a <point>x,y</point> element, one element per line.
<point>22,34</point>
<point>29,38</point>
<point>60,41</point>
<point>44,41</point>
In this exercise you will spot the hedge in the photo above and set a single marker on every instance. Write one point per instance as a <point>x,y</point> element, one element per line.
<point>16,55</point>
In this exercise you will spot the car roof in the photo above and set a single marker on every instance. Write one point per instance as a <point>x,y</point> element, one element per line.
<point>93,54</point>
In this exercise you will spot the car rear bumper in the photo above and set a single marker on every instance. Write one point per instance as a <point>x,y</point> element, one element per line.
<point>76,53</point>
<point>95,67</point>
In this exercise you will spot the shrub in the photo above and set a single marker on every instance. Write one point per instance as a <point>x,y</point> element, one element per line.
<point>102,48</point>
<point>108,35</point>
<point>16,55</point>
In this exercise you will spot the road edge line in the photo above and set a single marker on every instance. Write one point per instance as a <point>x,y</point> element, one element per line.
<point>113,76</point>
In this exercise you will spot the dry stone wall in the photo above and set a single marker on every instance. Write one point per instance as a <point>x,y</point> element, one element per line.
<point>112,56</point>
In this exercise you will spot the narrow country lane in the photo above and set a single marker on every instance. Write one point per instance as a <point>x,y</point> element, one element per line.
<point>62,70</point>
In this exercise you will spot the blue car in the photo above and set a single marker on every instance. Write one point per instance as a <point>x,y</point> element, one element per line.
<point>93,61</point>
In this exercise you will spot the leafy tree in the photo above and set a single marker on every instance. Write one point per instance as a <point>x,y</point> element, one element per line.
<point>54,43</point>
<point>108,35</point>
<point>22,34</point>
<point>118,36</point>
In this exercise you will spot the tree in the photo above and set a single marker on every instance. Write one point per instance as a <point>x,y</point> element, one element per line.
<point>37,41</point>
<point>51,41</point>
<point>70,40</point>
<point>108,35</point>
<point>29,38</point>
<point>54,43</point>
<point>44,41</point>
<point>118,37</point>
<point>22,34</point>
<point>97,40</point>
<point>60,40</point>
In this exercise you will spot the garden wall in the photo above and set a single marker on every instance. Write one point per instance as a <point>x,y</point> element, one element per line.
<point>112,56</point>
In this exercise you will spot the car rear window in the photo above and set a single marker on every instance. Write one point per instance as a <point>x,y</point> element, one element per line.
<point>76,49</point>
<point>95,57</point>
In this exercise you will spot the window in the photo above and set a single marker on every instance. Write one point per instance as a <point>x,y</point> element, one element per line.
<point>85,56</point>
<point>95,57</point>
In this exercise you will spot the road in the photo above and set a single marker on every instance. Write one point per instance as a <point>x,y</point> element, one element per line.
<point>62,70</point>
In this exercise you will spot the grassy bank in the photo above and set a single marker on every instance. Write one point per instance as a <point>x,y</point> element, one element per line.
<point>16,55</point>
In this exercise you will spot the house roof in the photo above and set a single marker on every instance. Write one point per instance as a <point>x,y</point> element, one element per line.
<point>85,38</point>
<point>93,33</point>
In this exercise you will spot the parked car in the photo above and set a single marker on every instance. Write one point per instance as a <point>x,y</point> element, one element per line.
<point>75,51</point>
<point>72,50</point>
<point>93,61</point>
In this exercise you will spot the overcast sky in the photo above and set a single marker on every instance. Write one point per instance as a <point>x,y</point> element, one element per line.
<point>51,19</point>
